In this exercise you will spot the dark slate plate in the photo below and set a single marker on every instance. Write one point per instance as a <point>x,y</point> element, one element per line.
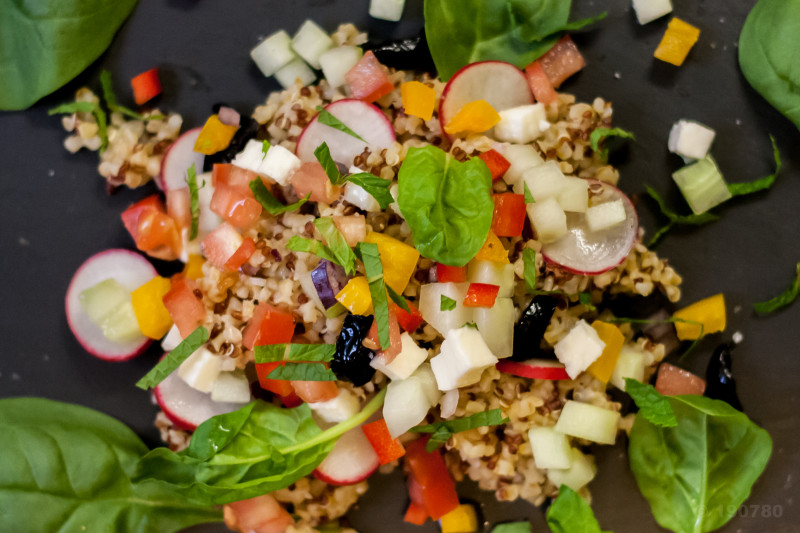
<point>54,213</point>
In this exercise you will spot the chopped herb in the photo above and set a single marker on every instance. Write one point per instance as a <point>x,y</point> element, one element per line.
<point>297,352</point>
<point>323,155</point>
<point>447,304</point>
<point>741,189</point>
<point>529,199</point>
<point>674,218</point>
<point>442,431</point>
<point>369,255</point>
<point>111,100</point>
<point>472,325</point>
<point>569,513</point>
<point>303,372</point>
<point>586,299</point>
<point>652,405</point>
<point>87,107</point>
<point>337,244</point>
<point>375,186</point>
<point>173,360</point>
<point>191,181</point>
<point>782,300</point>
<point>601,133</point>
<point>311,246</point>
<point>401,302</point>
<point>529,269</point>
<point>271,204</point>
<point>326,118</point>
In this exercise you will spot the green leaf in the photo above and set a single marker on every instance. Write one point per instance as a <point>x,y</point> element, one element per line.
<point>373,268</point>
<point>696,474</point>
<point>529,269</point>
<point>585,299</point>
<point>48,42</point>
<point>569,513</point>
<point>529,199</point>
<point>323,155</point>
<point>87,107</point>
<point>401,302</point>
<point>337,244</point>
<point>67,468</point>
<point>600,134</point>
<point>447,304</point>
<point>303,372</point>
<point>173,360</point>
<point>111,99</point>
<point>297,352</point>
<point>191,181</point>
<point>740,189</point>
<point>460,32</point>
<point>652,405</point>
<point>271,204</point>
<point>325,117</point>
<point>782,300</point>
<point>265,146</point>
<point>375,186</point>
<point>311,246</point>
<point>447,204</point>
<point>442,431</point>
<point>674,218</point>
<point>512,527</point>
<point>768,48</point>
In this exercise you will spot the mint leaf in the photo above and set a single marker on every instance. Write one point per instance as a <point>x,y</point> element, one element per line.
<point>375,186</point>
<point>87,107</point>
<point>529,199</point>
<point>326,118</point>
<point>194,202</point>
<point>303,372</point>
<point>337,244</point>
<point>602,133</point>
<point>447,304</point>
<point>586,299</point>
<point>529,269</point>
<point>741,189</point>
<point>652,405</point>
<point>782,300</point>
<point>271,204</point>
<point>442,431</point>
<point>265,146</point>
<point>373,268</point>
<point>297,352</point>
<point>173,360</point>
<point>401,302</point>
<point>323,155</point>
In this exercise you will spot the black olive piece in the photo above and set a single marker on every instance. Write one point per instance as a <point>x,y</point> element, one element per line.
<point>352,358</point>
<point>530,328</point>
<point>248,129</point>
<point>720,384</point>
<point>404,54</point>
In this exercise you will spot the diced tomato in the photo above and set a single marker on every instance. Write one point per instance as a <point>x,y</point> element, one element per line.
<point>281,387</point>
<point>219,173</point>
<point>269,325</point>
<point>241,255</point>
<point>673,381</point>
<point>387,448</point>
<point>315,391</point>
<point>146,86</point>
<point>450,274</point>
<point>562,61</point>
<point>154,232</point>
<point>481,295</point>
<point>368,80</point>
<point>311,178</point>
<point>179,206</point>
<point>219,245</point>
<point>237,177</point>
<point>262,514</point>
<point>430,472</point>
<point>540,84</point>
<point>415,514</point>
<point>409,321</point>
<point>235,205</point>
<point>509,215</point>
<point>184,306</point>
<point>395,344</point>
<point>498,165</point>
<point>352,227</point>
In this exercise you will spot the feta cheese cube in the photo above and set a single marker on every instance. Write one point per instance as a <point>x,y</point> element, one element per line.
<point>279,164</point>
<point>463,357</point>
<point>295,71</point>
<point>649,10</point>
<point>386,9</point>
<point>338,409</point>
<point>605,215</point>
<point>405,363</point>
<point>310,42</point>
<point>250,157</point>
<point>200,369</point>
<point>579,348</point>
<point>574,197</point>
<point>273,53</point>
<point>172,339</point>
<point>545,181</point>
<point>522,157</point>
<point>690,139</point>
<point>520,125</point>
<point>548,219</point>
<point>336,62</point>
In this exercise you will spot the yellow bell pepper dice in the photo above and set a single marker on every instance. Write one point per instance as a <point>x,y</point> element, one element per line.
<point>214,137</point>
<point>148,306</point>
<point>678,40</point>
<point>399,260</point>
<point>462,519</point>
<point>603,366</point>
<point>709,312</point>
<point>418,99</point>
<point>194,267</point>
<point>475,117</point>
<point>356,296</point>
<point>492,250</point>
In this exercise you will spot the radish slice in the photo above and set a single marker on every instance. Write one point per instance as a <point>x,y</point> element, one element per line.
<point>188,407</point>
<point>501,84</point>
<point>353,459</point>
<point>590,253</point>
<point>534,369</point>
<point>364,119</point>
<point>131,270</point>
<point>177,160</point>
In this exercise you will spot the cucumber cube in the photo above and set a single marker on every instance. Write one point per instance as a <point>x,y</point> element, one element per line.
<point>293,72</point>
<point>548,219</point>
<point>574,197</point>
<point>336,62</point>
<point>310,42</point>
<point>550,448</point>
<point>630,364</point>
<point>605,215</point>
<point>587,421</point>
<point>702,185</point>
<point>386,9</point>
<point>580,472</point>
<point>544,181</point>
<point>100,300</point>
<point>273,53</point>
<point>522,157</point>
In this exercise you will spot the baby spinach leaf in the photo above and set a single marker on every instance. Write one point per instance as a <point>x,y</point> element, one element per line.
<point>569,513</point>
<point>460,32</point>
<point>513,527</point>
<point>652,405</point>
<point>41,48</point>
<point>696,474</point>
<point>66,468</point>
<point>768,48</point>
<point>173,360</point>
<point>447,204</point>
<point>782,300</point>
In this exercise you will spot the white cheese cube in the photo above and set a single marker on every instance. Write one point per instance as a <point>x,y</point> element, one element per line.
<point>650,10</point>
<point>492,273</point>
<point>359,197</point>
<point>251,156</point>
<point>579,348</point>
<point>520,125</point>
<point>310,42</point>
<point>548,219</point>
<point>462,359</point>
<point>587,421</point>
<point>496,325</point>
<point>690,139</point>
<point>550,448</point>
<point>430,306</point>
<point>273,53</point>
<point>200,369</point>
<point>405,363</point>
<point>522,157</point>
<point>279,164</point>
<point>172,339</point>
<point>580,472</point>
<point>605,215</point>
<point>386,9</point>
<point>231,387</point>
<point>295,71</point>
<point>544,181</point>
<point>574,197</point>
<point>336,62</point>
<point>338,409</point>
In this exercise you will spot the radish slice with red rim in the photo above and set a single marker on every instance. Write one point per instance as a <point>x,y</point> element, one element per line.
<point>130,270</point>
<point>177,160</point>
<point>534,369</point>
<point>353,459</point>
<point>582,251</point>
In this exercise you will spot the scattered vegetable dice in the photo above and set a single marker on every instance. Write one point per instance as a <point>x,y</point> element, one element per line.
<point>587,421</point>
<point>356,296</point>
<point>474,117</point>
<point>603,366</point>
<point>148,305</point>
<point>368,80</point>
<point>418,99</point>
<point>548,219</point>
<point>462,359</point>
<point>562,61</point>
<point>481,295</point>
<point>108,305</point>
<point>497,164</point>
<point>702,185</point>
<point>185,306</point>
<point>391,10</point>
<point>673,381</point>
<point>214,137</point>
<point>690,139</point>
<point>580,472</point>
<point>387,448</point>
<point>521,125</point>
<point>540,84</point>
<point>337,62</point>
<point>410,357</point>
<point>429,471</point>
<point>710,312</point>
<point>273,53</point>
<point>649,10</point>
<point>492,250</point>
<point>678,40</point>
<point>579,348</point>
<point>399,260</point>
<point>295,72</point>
<point>550,448</point>
<point>146,86</point>
<point>606,215</point>
<point>462,519</point>
<point>310,42</point>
